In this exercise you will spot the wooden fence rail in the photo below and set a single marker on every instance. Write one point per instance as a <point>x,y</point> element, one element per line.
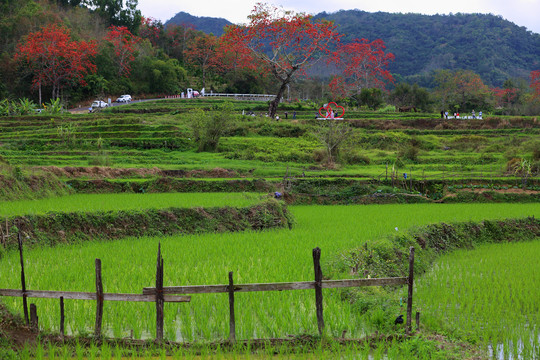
<point>301,285</point>
<point>75,295</point>
<point>161,294</point>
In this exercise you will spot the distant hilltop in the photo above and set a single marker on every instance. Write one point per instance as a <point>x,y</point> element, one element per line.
<point>489,45</point>
<point>209,25</point>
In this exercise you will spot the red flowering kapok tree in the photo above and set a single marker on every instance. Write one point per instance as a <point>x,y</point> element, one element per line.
<point>285,42</point>
<point>202,51</point>
<point>363,64</point>
<point>124,45</point>
<point>55,60</point>
<point>504,97</point>
<point>235,55</point>
<point>151,29</point>
<point>535,83</point>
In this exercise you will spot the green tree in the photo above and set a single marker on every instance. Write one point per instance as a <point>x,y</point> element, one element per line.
<point>154,75</point>
<point>371,97</point>
<point>332,136</point>
<point>462,90</point>
<point>405,94</point>
<point>118,14</point>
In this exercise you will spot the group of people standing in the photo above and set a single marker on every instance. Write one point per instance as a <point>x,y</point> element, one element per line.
<point>444,115</point>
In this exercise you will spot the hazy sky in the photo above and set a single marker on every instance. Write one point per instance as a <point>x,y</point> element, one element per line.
<point>522,12</point>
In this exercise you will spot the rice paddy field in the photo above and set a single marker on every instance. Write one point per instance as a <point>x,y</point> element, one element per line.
<point>126,201</point>
<point>490,294</point>
<point>267,256</point>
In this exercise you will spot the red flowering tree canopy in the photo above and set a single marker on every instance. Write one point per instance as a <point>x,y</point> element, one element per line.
<point>505,97</point>
<point>234,54</point>
<point>123,42</point>
<point>285,42</point>
<point>535,83</point>
<point>151,29</point>
<point>202,51</point>
<point>55,59</point>
<point>363,64</point>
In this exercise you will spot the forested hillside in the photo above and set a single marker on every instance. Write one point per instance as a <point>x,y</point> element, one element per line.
<point>72,52</point>
<point>488,45</point>
<point>494,48</point>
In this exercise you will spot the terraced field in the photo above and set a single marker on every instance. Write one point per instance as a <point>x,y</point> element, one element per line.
<point>159,134</point>
<point>141,162</point>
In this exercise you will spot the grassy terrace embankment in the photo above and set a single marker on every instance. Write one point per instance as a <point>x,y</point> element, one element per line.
<point>98,217</point>
<point>257,146</point>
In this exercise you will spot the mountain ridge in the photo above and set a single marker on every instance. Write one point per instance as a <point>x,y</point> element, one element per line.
<point>209,25</point>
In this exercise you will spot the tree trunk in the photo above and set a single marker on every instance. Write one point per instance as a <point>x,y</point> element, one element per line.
<point>274,103</point>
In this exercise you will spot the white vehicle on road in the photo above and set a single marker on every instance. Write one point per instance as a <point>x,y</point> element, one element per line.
<point>99,104</point>
<point>124,98</point>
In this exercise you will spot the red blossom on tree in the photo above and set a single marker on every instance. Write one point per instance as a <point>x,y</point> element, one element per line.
<point>234,54</point>
<point>505,97</point>
<point>123,42</point>
<point>54,59</point>
<point>363,64</point>
<point>535,83</point>
<point>151,29</point>
<point>338,87</point>
<point>286,43</point>
<point>202,51</point>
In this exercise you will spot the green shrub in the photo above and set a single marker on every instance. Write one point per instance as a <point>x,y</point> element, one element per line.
<point>354,157</point>
<point>410,152</point>
<point>319,155</point>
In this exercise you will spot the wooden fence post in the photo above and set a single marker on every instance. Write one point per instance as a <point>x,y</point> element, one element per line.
<point>159,296</point>
<point>410,288</point>
<point>62,318</point>
<point>99,299</point>
<point>232,322</point>
<point>318,288</point>
<point>33,317</point>
<point>23,280</point>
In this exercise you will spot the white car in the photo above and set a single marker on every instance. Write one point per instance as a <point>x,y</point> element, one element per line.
<point>124,98</point>
<point>99,104</point>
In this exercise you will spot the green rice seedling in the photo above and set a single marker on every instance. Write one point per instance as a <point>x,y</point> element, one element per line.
<point>126,201</point>
<point>489,295</point>
<point>79,350</point>
<point>25,353</point>
<point>106,351</point>
<point>40,352</point>
<point>93,351</point>
<point>51,354</point>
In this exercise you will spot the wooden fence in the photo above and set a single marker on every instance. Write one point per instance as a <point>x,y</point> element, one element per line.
<point>161,294</point>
